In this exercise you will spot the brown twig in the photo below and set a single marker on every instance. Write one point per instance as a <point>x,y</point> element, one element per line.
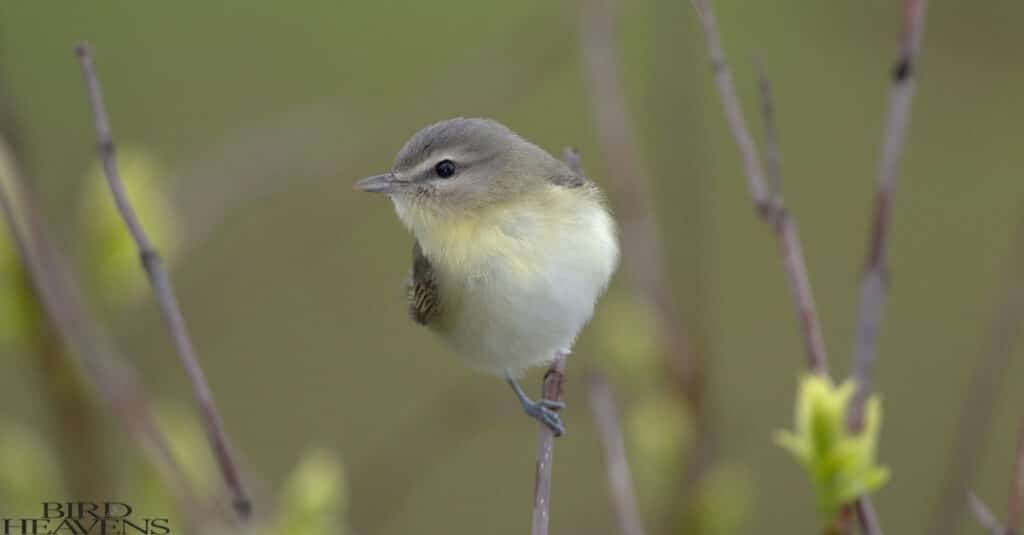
<point>620,480</point>
<point>874,281</point>
<point>60,296</point>
<point>867,517</point>
<point>164,292</point>
<point>985,516</point>
<point>79,428</point>
<point>771,211</point>
<point>554,380</point>
<point>772,154</point>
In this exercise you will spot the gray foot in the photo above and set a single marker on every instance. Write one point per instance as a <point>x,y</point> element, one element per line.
<point>542,410</point>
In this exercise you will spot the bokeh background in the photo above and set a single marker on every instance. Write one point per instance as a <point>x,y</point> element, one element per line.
<point>245,123</point>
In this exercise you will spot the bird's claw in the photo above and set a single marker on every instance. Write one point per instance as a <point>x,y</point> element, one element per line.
<point>544,411</point>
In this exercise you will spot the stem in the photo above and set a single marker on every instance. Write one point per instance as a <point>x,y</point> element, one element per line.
<point>770,208</point>
<point>552,389</point>
<point>874,281</point>
<point>164,293</point>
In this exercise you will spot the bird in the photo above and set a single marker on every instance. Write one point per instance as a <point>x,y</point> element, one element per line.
<point>512,247</point>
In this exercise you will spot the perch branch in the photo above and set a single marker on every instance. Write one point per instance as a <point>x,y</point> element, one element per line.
<point>772,211</point>
<point>164,292</point>
<point>620,481</point>
<point>552,389</point>
<point>874,280</point>
<point>61,299</point>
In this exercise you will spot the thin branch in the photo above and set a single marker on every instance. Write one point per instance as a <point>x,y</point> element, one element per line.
<point>772,155</point>
<point>874,281</point>
<point>985,516</point>
<point>620,480</point>
<point>733,112</point>
<point>550,389</point>
<point>60,296</point>
<point>164,292</point>
<point>771,211</point>
<point>1013,518</point>
<point>554,380</point>
<point>987,378</point>
<point>867,517</point>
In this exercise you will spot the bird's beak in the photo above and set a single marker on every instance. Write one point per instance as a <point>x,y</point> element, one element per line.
<point>386,183</point>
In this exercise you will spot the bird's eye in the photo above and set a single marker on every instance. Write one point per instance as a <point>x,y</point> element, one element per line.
<point>445,168</point>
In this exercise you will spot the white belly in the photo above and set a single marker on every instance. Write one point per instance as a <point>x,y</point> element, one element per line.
<point>526,304</point>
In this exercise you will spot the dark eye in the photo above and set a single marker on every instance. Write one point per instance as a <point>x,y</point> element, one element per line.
<point>445,168</point>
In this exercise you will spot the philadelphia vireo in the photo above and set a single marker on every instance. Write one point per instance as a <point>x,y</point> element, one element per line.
<point>512,248</point>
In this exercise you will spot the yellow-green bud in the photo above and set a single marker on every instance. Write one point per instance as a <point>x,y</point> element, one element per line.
<point>841,464</point>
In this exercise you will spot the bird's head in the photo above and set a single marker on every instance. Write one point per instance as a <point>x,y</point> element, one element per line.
<point>461,167</point>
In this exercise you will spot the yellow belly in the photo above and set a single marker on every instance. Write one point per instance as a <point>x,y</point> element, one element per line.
<point>519,281</point>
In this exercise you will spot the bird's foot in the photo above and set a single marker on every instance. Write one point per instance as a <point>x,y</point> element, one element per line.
<point>545,412</point>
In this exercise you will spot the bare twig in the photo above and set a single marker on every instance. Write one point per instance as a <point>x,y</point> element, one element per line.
<point>620,481</point>
<point>867,517</point>
<point>771,208</point>
<point>975,418</point>
<point>772,155</point>
<point>1013,517</point>
<point>772,211</point>
<point>164,292</point>
<point>985,516</point>
<point>60,296</point>
<point>552,389</point>
<point>874,281</point>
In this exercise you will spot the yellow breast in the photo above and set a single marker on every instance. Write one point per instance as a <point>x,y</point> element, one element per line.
<point>514,232</point>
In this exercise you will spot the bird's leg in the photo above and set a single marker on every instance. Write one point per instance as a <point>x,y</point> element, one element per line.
<point>542,410</point>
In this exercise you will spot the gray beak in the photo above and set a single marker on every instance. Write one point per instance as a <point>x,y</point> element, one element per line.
<point>386,183</point>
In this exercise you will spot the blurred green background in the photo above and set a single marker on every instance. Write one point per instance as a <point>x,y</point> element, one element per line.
<point>255,118</point>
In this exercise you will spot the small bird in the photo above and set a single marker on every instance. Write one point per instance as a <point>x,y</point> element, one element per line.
<point>512,247</point>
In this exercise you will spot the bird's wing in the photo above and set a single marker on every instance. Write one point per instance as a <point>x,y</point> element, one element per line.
<point>569,180</point>
<point>422,289</point>
<point>572,175</point>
